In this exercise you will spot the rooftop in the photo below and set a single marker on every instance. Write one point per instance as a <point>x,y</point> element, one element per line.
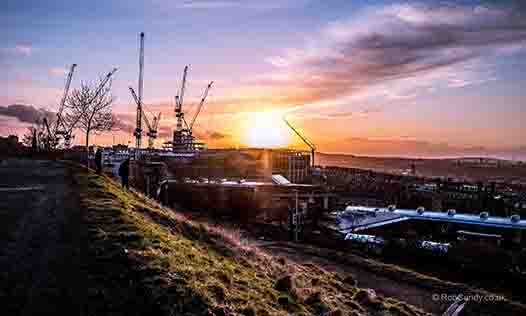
<point>361,217</point>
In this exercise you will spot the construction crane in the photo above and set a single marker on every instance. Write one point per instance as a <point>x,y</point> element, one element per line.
<point>183,140</point>
<point>138,127</point>
<point>200,106</point>
<point>179,104</point>
<point>152,133</point>
<point>60,127</point>
<point>68,133</point>
<point>183,88</point>
<point>305,140</point>
<point>152,128</point>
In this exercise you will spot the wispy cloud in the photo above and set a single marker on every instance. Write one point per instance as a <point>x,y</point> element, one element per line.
<point>19,49</point>
<point>342,115</point>
<point>58,71</point>
<point>395,43</point>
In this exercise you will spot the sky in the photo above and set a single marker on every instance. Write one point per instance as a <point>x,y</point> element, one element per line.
<point>405,78</point>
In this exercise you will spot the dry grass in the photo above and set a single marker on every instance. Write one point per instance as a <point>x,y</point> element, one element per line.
<point>173,265</point>
<point>432,284</point>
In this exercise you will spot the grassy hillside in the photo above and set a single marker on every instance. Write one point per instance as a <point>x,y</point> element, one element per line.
<point>490,303</point>
<point>148,259</point>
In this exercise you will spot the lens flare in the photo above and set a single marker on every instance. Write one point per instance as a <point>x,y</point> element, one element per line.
<point>265,129</point>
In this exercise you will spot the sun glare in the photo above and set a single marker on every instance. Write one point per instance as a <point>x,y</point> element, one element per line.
<point>265,129</point>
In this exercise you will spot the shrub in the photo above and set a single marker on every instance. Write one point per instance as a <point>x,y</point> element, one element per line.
<point>285,284</point>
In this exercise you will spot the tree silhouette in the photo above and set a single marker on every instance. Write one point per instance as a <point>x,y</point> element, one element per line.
<point>90,110</point>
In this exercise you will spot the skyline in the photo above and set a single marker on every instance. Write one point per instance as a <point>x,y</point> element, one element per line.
<point>420,77</point>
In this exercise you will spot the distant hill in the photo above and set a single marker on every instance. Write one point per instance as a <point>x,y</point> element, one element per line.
<point>409,148</point>
<point>469,168</point>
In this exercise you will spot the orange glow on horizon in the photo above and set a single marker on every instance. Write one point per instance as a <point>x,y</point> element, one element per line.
<point>264,129</point>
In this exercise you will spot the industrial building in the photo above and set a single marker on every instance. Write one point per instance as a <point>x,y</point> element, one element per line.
<point>295,165</point>
<point>254,164</point>
<point>463,238</point>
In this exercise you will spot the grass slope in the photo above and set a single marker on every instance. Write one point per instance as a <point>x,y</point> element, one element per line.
<point>494,305</point>
<point>162,263</point>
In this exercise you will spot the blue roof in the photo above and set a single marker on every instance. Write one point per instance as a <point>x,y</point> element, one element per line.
<point>473,219</point>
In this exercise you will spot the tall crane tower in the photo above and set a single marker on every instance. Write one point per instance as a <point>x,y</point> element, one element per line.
<point>152,128</point>
<point>305,140</point>
<point>178,138</point>
<point>152,132</point>
<point>138,126</point>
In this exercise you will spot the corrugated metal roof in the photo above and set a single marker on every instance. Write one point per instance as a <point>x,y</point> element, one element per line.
<point>279,179</point>
<point>473,219</point>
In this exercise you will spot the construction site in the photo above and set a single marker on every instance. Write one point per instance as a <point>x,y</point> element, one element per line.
<point>237,179</point>
<point>275,158</point>
<point>281,195</point>
<point>286,192</point>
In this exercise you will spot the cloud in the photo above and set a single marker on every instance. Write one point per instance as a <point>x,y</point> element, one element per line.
<point>124,123</point>
<point>58,71</point>
<point>337,115</point>
<point>19,49</point>
<point>397,42</point>
<point>25,50</point>
<point>215,135</point>
<point>25,113</point>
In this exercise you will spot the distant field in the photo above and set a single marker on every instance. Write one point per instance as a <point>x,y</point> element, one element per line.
<point>464,168</point>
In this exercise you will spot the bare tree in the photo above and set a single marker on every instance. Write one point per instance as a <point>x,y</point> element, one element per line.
<point>90,110</point>
<point>36,136</point>
<point>30,138</point>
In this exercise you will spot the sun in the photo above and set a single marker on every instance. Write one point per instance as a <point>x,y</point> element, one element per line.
<point>265,129</point>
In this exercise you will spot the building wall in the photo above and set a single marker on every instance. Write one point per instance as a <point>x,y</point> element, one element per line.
<point>294,165</point>
<point>253,164</point>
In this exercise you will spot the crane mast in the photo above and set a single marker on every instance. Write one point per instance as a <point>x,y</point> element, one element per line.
<point>60,123</point>
<point>183,87</point>
<point>305,140</point>
<point>179,137</point>
<point>138,128</point>
<point>179,103</point>
<point>152,134</point>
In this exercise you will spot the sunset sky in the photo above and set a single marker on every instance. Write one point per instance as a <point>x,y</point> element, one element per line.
<point>417,78</point>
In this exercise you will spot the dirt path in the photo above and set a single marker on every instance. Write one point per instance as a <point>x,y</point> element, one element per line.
<point>409,293</point>
<point>41,240</point>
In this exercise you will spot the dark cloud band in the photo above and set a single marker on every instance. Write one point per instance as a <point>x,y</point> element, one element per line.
<point>25,113</point>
